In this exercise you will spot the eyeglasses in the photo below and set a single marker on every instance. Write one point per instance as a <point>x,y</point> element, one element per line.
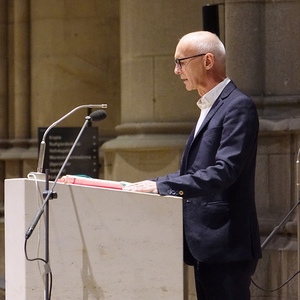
<point>179,60</point>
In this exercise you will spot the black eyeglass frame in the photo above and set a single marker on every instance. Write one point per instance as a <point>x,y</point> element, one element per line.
<point>177,61</point>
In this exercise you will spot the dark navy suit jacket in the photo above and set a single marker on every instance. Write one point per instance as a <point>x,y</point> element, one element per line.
<point>216,181</point>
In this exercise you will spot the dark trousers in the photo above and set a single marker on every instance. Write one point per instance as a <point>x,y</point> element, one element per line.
<point>228,281</point>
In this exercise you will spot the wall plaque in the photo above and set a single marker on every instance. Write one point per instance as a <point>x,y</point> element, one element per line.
<point>84,159</point>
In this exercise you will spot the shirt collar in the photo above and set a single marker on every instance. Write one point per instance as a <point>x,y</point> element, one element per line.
<point>208,99</point>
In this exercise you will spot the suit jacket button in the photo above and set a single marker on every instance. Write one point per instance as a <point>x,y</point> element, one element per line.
<point>180,193</point>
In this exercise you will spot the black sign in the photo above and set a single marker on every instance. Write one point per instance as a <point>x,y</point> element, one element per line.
<point>84,158</point>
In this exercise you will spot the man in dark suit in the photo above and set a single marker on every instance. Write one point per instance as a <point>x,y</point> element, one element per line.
<point>217,174</point>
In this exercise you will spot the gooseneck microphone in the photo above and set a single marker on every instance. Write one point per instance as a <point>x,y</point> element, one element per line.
<point>94,116</point>
<point>97,115</point>
<point>41,157</point>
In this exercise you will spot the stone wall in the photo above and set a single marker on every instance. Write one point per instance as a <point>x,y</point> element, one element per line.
<point>56,56</point>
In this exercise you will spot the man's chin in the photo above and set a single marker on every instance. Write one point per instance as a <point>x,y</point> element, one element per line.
<point>188,86</point>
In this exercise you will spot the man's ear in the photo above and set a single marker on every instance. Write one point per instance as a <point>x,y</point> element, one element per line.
<point>209,60</point>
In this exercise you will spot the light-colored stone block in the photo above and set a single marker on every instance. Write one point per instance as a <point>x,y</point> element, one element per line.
<point>103,243</point>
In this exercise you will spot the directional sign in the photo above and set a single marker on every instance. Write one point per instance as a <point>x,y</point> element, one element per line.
<point>84,159</point>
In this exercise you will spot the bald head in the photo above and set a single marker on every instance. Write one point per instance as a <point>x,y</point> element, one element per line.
<point>205,42</point>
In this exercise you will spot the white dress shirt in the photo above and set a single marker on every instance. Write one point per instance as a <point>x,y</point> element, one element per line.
<point>207,100</point>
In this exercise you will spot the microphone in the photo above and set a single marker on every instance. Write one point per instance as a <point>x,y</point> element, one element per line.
<point>97,115</point>
<point>43,143</point>
<point>94,116</point>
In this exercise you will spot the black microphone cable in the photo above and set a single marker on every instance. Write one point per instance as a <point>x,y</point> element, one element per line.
<point>46,266</point>
<point>275,289</point>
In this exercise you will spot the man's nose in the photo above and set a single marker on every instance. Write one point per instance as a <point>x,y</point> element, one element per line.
<point>177,69</point>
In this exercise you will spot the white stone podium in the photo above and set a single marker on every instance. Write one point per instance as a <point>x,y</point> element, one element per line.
<point>104,243</point>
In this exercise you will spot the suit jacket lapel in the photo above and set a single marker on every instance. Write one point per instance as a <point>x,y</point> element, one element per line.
<point>218,103</point>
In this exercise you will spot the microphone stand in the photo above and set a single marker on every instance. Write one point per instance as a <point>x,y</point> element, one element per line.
<point>46,192</point>
<point>276,229</point>
<point>45,207</point>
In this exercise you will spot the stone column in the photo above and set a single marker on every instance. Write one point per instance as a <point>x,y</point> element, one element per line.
<point>244,41</point>
<point>16,105</point>
<point>75,61</point>
<point>3,71</point>
<point>262,41</point>
<point>3,129</point>
<point>19,69</point>
<point>263,59</point>
<point>157,112</point>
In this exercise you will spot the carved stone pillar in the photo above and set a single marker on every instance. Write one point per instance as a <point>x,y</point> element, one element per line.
<point>263,59</point>
<point>3,71</point>
<point>157,112</point>
<point>19,69</point>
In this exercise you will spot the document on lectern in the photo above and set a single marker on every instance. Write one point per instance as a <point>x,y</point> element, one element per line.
<point>88,181</point>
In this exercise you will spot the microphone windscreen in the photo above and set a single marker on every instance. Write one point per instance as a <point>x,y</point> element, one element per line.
<point>98,115</point>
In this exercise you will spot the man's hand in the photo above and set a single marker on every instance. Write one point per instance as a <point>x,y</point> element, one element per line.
<point>146,186</point>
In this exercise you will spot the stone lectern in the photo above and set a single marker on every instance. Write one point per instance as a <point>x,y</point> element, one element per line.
<point>103,243</point>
